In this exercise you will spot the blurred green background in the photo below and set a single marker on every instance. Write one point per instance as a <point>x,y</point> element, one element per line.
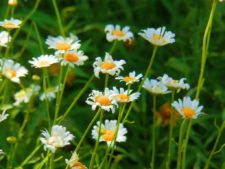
<point>87,19</point>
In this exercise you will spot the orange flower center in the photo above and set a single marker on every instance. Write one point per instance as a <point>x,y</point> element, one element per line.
<point>129,78</point>
<point>78,165</point>
<point>63,46</point>
<point>188,112</point>
<point>8,25</point>
<point>118,33</point>
<point>43,63</point>
<point>10,73</point>
<point>103,100</point>
<point>122,97</point>
<point>108,135</point>
<point>107,65</point>
<point>157,37</point>
<point>71,57</point>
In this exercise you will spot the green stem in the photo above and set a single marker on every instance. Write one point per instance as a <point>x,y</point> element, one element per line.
<point>170,132</point>
<point>97,142</point>
<point>143,80</point>
<point>75,99</point>
<point>179,154</point>
<point>52,161</point>
<point>205,46</point>
<point>106,80</point>
<point>152,164</point>
<point>113,47</point>
<point>105,157</point>
<point>38,37</point>
<point>58,18</point>
<point>215,145</point>
<point>30,156</point>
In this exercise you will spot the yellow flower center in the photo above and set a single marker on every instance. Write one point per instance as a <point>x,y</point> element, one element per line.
<point>188,112</point>
<point>63,46</point>
<point>10,73</point>
<point>78,165</point>
<point>157,37</point>
<point>43,63</point>
<point>129,78</point>
<point>122,97</point>
<point>108,135</point>
<point>107,65</point>
<point>118,33</point>
<point>8,25</point>
<point>103,100</point>
<point>71,57</point>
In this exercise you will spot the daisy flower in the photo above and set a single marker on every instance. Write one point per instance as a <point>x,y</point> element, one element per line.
<point>118,33</point>
<point>57,138</point>
<point>12,2</point>
<point>108,132</point>
<point>155,87</point>
<point>11,23</point>
<point>125,96</point>
<point>24,95</point>
<point>3,116</point>
<point>105,100</point>
<point>5,38</point>
<point>188,109</point>
<point>51,93</point>
<point>72,58</point>
<point>13,71</point>
<point>107,66</point>
<point>130,79</point>
<point>221,0</point>
<point>158,37</point>
<point>43,61</point>
<point>172,84</point>
<point>74,163</point>
<point>62,44</point>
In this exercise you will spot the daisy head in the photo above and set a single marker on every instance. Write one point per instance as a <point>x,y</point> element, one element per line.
<point>3,116</point>
<point>125,96</point>
<point>107,66</point>
<point>10,23</point>
<point>74,163</point>
<point>118,33</point>
<point>105,100</point>
<point>13,71</point>
<point>188,109</point>
<point>174,85</point>
<point>62,44</point>
<point>72,58</point>
<point>50,93</point>
<point>108,132</point>
<point>5,38</point>
<point>57,138</point>
<point>158,37</point>
<point>155,87</point>
<point>221,0</point>
<point>131,78</point>
<point>43,61</point>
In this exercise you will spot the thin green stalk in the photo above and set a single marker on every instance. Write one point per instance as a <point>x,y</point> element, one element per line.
<point>170,132</point>
<point>75,99</point>
<point>46,96</point>
<point>186,143</point>
<point>97,142</point>
<point>152,164</point>
<point>215,145</point>
<point>205,46</point>
<point>87,130</point>
<point>106,80</point>
<point>52,161</point>
<point>105,157</point>
<point>113,47</point>
<point>58,18</point>
<point>179,153</point>
<point>143,80</point>
<point>30,156</point>
<point>38,37</point>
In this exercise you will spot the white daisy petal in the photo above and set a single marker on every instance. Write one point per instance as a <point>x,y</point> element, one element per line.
<point>43,61</point>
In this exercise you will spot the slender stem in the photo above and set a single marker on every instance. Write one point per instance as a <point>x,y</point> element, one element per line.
<point>97,142</point>
<point>38,37</point>
<point>113,47</point>
<point>152,164</point>
<point>170,132</point>
<point>30,156</point>
<point>106,80</point>
<point>181,135</point>
<point>215,145</point>
<point>75,100</point>
<point>105,157</point>
<point>143,80</point>
<point>58,18</point>
<point>87,130</point>
<point>205,46</point>
<point>52,161</point>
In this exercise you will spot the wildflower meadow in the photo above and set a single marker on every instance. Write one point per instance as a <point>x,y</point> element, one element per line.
<point>102,84</point>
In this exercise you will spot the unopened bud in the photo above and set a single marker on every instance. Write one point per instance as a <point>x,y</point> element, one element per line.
<point>36,77</point>
<point>12,2</point>
<point>11,139</point>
